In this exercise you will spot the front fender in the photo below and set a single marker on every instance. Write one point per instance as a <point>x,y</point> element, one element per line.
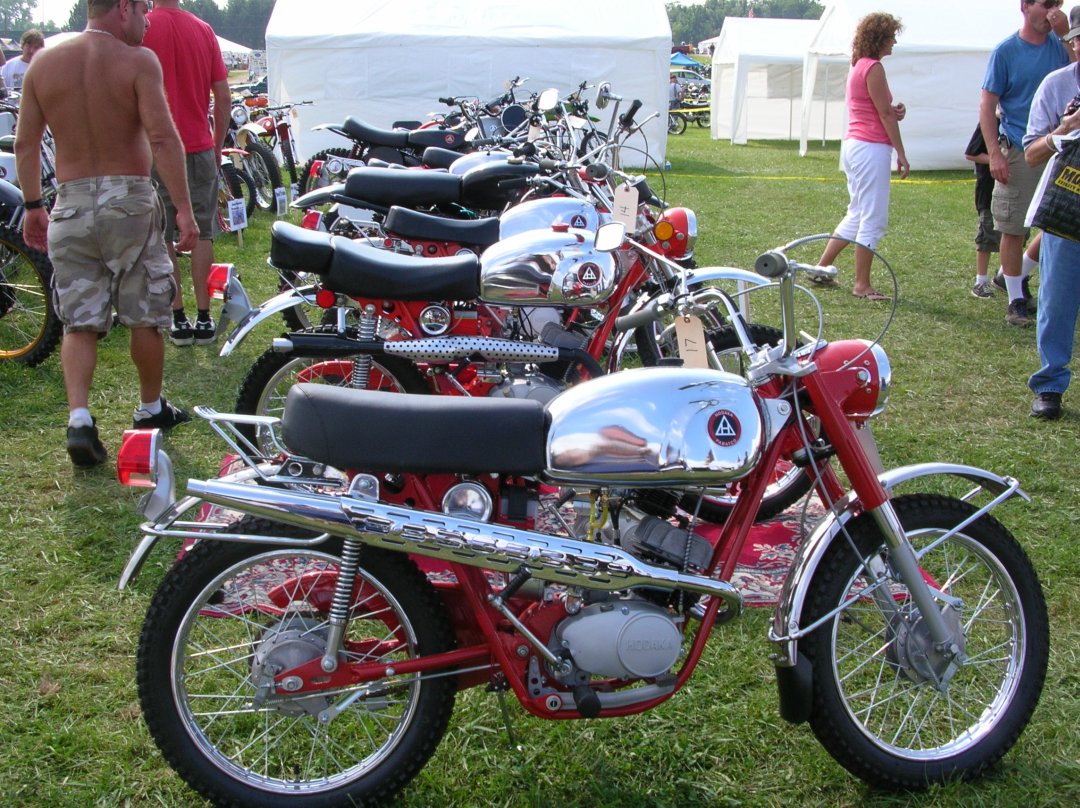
<point>785,630</point>
<point>745,279</point>
<point>247,133</point>
<point>290,298</point>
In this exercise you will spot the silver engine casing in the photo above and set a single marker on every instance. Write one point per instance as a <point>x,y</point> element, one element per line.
<point>656,427</point>
<point>547,268</point>
<point>623,639</point>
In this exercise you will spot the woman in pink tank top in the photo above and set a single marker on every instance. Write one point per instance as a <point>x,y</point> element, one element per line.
<point>873,133</point>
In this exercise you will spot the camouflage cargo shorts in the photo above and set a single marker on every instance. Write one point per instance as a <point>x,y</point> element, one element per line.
<point>108,252</point>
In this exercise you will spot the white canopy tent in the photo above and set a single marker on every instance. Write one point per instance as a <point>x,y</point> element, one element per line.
<point>757,70</point>
<point>388,60</point>
<point>226,45</point>
<point>936,69</point>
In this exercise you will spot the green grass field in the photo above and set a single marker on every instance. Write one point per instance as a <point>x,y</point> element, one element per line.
<point>69,717</point>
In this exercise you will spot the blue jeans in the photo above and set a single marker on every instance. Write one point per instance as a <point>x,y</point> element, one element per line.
<point>1059,302</point>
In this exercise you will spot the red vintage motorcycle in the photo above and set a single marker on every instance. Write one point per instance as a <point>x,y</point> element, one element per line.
<point>308,650</point>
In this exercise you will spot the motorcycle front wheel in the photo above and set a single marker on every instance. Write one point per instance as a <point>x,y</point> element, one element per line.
<point>887,704</point>
<point>261,165</point>
<point>228,616</point>
<point>676,123</point>
<point>30,328</point>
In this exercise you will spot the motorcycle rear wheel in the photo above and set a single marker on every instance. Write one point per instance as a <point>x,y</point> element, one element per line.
<point>875,708</point>
<point>268,381</point>
<point>30,327</point>
<point>229,614</point>
<point>305,181</point>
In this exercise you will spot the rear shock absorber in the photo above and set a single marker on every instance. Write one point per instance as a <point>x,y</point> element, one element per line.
<point>368,327</point>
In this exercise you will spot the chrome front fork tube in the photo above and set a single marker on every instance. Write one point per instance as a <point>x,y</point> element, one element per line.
<point>903,560</point>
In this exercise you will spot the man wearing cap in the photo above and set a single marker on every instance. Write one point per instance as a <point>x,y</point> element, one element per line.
<point>1055,110</point>
<point>103,98</point>
<point>1016,67</point>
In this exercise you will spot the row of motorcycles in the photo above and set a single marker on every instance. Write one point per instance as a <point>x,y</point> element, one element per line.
<point>483,456</point>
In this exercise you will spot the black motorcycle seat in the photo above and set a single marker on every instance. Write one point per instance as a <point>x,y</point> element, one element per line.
<point>358,130</point>
<point>354,268</point>
<point>429,227</point>
<point>366,430</point>
<point>435,136</point>
<point>389,186</point>
<point>299,250</point>
<point>358,270</point>
<point>436,157</point>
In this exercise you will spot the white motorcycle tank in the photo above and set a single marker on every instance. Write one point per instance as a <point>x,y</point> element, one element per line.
<point>655,427</point>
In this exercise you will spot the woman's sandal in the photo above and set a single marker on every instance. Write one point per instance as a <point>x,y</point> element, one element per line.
<point>871,295</point>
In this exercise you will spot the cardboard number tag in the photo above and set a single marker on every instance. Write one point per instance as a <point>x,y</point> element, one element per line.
<point>237,214</point>
<point>280,201</point>
<point>626,206</point>
<point>691,340</point>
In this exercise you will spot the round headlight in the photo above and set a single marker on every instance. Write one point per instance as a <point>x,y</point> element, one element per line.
<point>239,116</point>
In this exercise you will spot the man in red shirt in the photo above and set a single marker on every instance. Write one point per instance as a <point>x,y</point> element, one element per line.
<point>194,70</point>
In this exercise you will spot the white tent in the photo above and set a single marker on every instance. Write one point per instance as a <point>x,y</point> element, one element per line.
<point>227,46</point>
<point>388,60</point>
<point>757,69</point>
<point>936,69</point>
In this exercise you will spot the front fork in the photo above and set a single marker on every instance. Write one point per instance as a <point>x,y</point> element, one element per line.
<point>862,468</point>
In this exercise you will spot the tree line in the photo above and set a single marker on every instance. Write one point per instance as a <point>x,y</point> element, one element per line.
<point>242,21</point>
<point>691,24</point>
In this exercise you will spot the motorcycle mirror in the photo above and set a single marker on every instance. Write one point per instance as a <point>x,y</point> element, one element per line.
<point>548,100</point>
<point>603,94</point>
<point>610,237</point>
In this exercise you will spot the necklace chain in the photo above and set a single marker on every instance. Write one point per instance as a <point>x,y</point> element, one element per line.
<point>100,31</point>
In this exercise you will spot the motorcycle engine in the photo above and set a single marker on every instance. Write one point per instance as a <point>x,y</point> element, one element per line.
<point>520,383</point>
<point>622,639</point>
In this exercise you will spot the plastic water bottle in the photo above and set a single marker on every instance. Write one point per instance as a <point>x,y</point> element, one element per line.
<point>667,165</point>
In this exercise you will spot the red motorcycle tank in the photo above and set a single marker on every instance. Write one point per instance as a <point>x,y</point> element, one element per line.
<point>655,427</point>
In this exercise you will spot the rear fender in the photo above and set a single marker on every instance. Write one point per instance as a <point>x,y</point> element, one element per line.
<point>786,627</point>
<point>290,298</point>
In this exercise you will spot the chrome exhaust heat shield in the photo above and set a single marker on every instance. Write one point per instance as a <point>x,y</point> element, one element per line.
<point>479,544</point>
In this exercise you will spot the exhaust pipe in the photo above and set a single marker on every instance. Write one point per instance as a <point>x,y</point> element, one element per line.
<point>479,544</point>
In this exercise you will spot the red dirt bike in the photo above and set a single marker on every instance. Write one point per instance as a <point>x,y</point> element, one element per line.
<point>309,652</point>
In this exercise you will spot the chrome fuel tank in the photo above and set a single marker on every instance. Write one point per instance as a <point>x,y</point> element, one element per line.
<point>552,267</point>
<point>655,426</point>
<point>541,214</point>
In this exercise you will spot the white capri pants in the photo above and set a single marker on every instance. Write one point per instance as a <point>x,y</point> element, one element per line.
<point>868,167</point>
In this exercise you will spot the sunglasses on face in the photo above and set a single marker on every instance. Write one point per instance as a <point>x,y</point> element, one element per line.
<point>150,4</point>
<point>1047,4</point>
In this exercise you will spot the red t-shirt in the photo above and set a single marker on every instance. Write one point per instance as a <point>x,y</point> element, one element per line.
<point>191,61</point>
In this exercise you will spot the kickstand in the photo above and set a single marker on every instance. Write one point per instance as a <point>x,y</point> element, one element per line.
<point>510,738</point>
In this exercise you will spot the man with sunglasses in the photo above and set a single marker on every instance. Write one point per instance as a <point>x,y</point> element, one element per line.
<point>1016,68</point>
<point>104,100</point>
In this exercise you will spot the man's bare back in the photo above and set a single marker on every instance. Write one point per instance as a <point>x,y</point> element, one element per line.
<point>102,96</point>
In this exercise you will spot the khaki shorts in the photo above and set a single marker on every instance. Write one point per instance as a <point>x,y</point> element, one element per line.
<point>1010,202</point>
<point>202,177</point>
<point>108,253</point>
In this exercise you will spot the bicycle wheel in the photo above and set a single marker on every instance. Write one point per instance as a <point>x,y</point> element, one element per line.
<point>29,325</point>
<point>227,617</point>
<point>892,707</point>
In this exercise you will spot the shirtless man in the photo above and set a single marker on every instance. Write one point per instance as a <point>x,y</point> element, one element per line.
<point>103,98</point>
